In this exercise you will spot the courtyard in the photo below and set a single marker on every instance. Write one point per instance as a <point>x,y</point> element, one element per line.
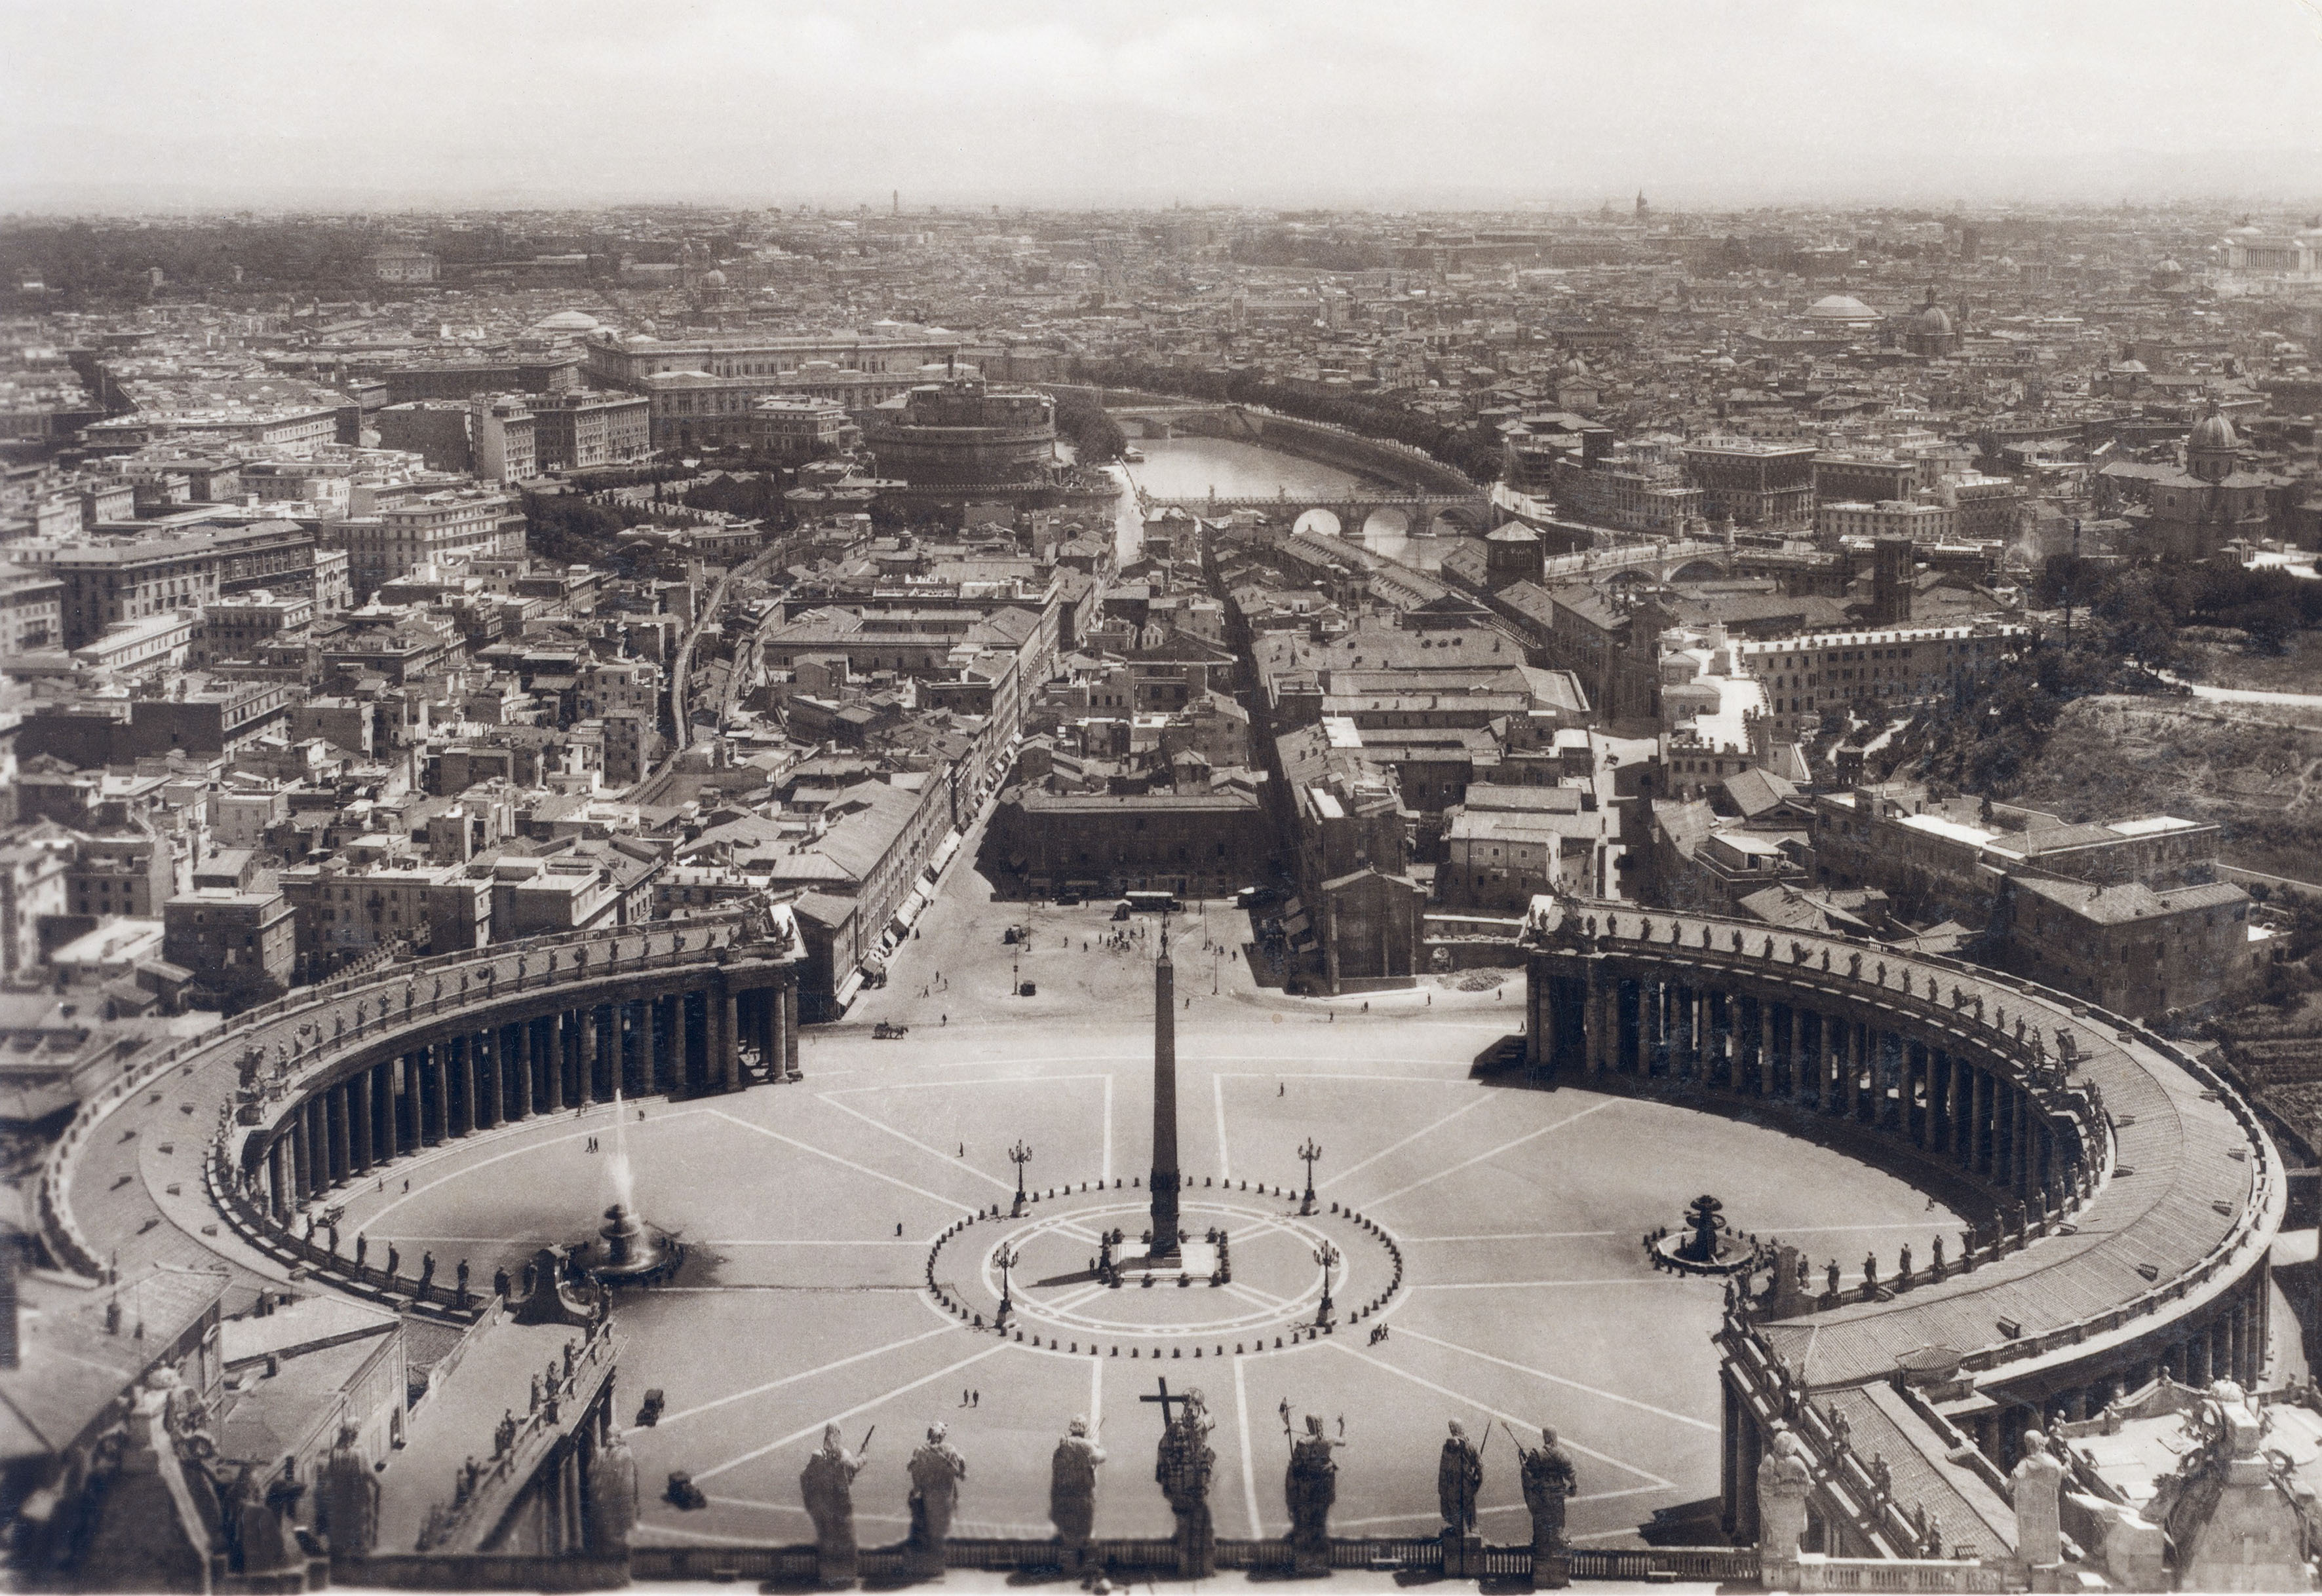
<point>1515,1291</point>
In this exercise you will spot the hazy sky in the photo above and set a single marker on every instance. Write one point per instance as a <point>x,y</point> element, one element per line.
<point>776,102</point>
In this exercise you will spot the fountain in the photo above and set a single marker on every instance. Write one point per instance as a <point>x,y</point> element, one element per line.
<point>633,1253</point>
<point>1706,1245</point>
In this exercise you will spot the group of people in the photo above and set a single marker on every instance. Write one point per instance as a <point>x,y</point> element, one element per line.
<point>1183,1467</point>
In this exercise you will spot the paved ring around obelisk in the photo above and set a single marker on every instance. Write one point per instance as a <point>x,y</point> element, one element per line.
<point>1270,1289</point>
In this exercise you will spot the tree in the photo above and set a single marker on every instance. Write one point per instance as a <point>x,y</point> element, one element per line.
<point>2136,624</point>
<point>2269,626</point>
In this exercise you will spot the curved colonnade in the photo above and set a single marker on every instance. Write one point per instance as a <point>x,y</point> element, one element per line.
<point>330,1084</point>
<point>2131,1193</point>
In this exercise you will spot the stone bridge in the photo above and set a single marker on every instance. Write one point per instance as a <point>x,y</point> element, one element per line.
<point>1162,421</point>
<point>1472,514</point>
<point>2124,1195</point>
<point>253,1122</point>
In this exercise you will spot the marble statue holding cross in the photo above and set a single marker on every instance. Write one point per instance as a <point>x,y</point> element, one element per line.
<point>1182,1466</point>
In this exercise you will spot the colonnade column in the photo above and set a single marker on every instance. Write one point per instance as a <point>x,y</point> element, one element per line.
<point>1978,1143</point>
<point>585,1083</point>
<point>434,1105</point>
<point>382,1078</point>
<point>520,1067</point>
<point>318,1141</point>
<point>335,1140</point>
<point>462,1117</point>
<point>729,1038</point>
<point>357,1088</point>
<point>1849,1059</point>
<point>556,1053</point>
<point>789,1024</point>
<point>493,1090</point>
<point>770,1030</point>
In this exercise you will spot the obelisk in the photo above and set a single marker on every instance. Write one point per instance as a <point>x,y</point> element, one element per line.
<point>1165,1178</point>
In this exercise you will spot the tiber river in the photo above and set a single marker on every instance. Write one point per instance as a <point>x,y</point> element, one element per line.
<point>1194,467</point>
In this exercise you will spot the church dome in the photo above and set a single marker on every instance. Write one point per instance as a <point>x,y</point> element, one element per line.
<point>713,278</point>
<point>566,320</point>
<point>1933,321</point>
<point>1839,307</point>
<point>2213,431</point>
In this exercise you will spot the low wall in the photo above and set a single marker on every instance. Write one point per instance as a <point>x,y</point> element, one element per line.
<point>574,1571</point>
<point>1401,1555</point>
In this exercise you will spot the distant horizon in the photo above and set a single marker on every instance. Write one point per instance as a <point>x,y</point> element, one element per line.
<point>1477,105</point>
<point>87,205</point>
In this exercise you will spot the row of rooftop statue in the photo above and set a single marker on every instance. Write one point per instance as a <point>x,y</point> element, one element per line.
<point>1182,1466</point>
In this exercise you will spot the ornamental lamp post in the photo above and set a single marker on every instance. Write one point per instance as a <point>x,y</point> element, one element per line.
<point>1310,1152</point>
<point>1006,1257</point>
<point>1327,1257</point>
<point>1019,1155</point>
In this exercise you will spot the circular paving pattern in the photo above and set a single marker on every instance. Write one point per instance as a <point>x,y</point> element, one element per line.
<point>1250,1275</point>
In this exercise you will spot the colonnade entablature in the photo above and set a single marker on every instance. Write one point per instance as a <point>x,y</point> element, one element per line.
<point>319,1088</point>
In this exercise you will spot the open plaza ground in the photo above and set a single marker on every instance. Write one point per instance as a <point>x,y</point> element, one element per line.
<point>809,1210</point>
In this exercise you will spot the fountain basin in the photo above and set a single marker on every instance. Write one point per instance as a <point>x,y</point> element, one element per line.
<point>631,1253</point>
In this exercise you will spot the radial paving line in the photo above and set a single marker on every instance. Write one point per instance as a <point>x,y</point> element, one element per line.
<point>860,1169</point>
<point>1512,1285</point>
<point>1249,1475</point>
<point>816,1427</point>
<point>1218,1091</point>
<point>1493,1153</point>
<point>950,1161</point>
<point>1699,1424</point>
<point>1354,1168</point>
<point>758,1390</point>
<point>1506,1419</point>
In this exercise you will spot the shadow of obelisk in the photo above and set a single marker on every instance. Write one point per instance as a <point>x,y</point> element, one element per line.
<point>1166,1178</point>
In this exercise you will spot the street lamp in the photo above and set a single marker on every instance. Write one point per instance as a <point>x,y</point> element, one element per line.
<point>1006,1258</point>
<point>1019,1155</point>
<point>1310,1153</point>
<point>1327,1257</point>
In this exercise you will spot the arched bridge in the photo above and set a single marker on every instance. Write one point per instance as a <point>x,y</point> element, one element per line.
<point>248,1123</point>
<point>1162,421</point>
<point>2126,1195</point>
<point>1473,514</point>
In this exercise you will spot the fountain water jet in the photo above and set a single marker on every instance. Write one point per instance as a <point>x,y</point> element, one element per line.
<point>632,1252</point>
